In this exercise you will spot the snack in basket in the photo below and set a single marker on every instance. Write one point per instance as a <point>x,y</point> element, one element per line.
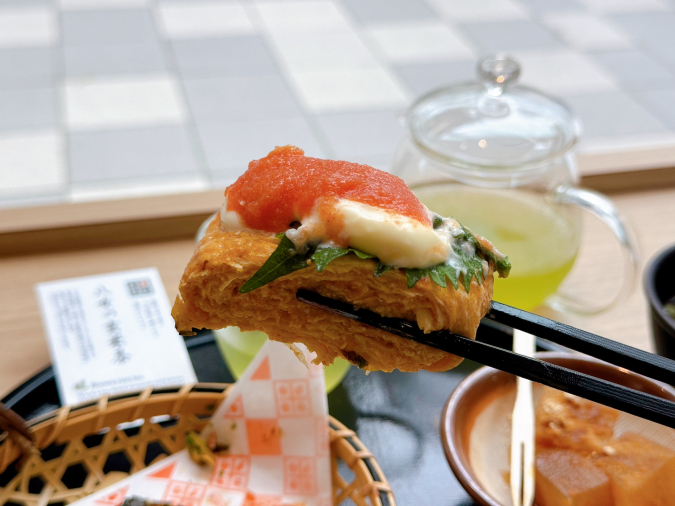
<point>346,231</point>
<point>581,462</point>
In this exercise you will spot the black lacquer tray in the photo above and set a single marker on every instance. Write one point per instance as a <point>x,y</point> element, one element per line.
<point>396,415</point>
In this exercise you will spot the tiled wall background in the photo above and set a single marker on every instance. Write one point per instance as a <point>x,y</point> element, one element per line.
<point>114,98</point>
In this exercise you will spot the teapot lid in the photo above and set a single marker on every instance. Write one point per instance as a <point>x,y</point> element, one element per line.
<point>492,123</point>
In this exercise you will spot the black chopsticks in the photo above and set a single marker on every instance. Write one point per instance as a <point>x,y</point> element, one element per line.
<point>641,362</point>
<point>610,394</point>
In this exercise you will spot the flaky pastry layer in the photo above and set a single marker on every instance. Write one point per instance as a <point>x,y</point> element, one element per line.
<point>223,261</point>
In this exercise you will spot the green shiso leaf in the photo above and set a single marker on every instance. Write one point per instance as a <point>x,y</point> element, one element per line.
<point>503,264</point>
<point>451,274</point>
<point>414,275</point>
<point>284,260</point>
<point>437,278</point>
<point>467,282</point>
<point>287,259</point>
<point>324,256</point>
<point>437,273</point>
<point>381,269</point>
<point>361,254</point>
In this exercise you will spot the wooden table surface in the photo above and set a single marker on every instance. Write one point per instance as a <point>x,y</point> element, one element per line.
<point>23,350</point>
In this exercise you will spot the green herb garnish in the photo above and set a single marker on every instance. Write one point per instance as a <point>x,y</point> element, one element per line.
<point>503,264</point>
<point>437,273</point>
<point>381,269</point>
<point>284,260</point>
<point>324,256</point>
<point>199,450</point>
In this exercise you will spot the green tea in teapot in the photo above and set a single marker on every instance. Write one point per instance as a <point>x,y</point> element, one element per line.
<point>541,238</point>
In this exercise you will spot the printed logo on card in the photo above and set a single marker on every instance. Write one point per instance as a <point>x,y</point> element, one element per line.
<point>140,287</point>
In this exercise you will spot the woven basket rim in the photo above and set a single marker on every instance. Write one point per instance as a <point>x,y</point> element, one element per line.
<point>344,443</point>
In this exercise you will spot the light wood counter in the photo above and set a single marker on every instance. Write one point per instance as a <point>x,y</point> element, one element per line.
<point>23,350</point>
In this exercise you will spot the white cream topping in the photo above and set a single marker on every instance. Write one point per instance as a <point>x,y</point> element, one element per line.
<point>230,221</point>
<point>311,230</point>
<point>396,240</point>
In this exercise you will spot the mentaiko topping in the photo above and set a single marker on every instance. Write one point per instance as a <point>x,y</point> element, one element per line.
<point>285,186</point>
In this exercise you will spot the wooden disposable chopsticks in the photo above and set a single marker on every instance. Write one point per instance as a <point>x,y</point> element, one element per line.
<point>522,429</point>
<point>610,394</point>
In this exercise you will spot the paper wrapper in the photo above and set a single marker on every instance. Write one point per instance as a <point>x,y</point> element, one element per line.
<point>275,424</point>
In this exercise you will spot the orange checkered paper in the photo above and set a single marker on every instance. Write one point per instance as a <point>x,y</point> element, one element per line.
<point>275,425</point>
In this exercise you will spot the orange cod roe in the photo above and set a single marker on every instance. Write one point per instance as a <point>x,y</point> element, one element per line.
<point>284,187</point>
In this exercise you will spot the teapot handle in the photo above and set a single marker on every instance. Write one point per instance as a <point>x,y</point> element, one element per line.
<point>605,210</point>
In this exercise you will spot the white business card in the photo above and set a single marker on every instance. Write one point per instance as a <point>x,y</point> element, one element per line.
<point>112,333</point>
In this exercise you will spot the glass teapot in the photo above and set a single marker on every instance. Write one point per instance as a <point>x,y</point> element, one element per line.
<point>497,156</point>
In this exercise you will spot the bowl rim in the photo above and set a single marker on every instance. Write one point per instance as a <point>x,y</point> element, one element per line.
<point>655,303</point>
<point>449,418</point>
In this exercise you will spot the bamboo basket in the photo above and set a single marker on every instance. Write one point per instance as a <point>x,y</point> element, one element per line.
<point>88,447</point>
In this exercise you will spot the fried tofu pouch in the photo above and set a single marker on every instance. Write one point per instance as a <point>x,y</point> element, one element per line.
<point>223,261</point>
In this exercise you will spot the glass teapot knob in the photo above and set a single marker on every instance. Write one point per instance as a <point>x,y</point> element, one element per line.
<point>496,72</point>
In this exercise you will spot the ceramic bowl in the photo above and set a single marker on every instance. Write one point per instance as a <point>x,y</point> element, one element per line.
<point>476,426</point>
<point>659,285</point>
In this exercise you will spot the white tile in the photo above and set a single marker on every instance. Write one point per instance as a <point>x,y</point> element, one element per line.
<point>563,73</point>
<point>197,19</point>
<point>32,162</point>
<point>381,162</point>
<point>140,187</point>
<point>23,27</point>
<point>104,103</point>
<point>349,90</point>
<point>303,16</point>
<point>587,32</point>
<point>323,51</point>
<point>229,148</point>
<point>480,10</point>
<point>616,6</point>
<point>102,4</point>
<point>418,42</point>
